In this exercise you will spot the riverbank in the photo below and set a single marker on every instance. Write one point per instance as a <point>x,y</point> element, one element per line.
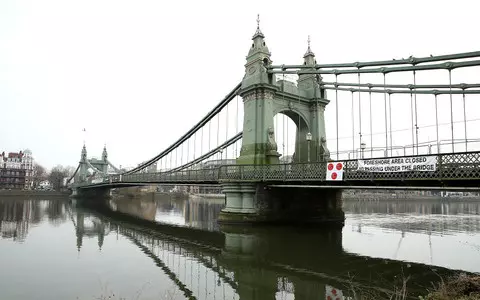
<point>459,287</point>
<point>32,194</point>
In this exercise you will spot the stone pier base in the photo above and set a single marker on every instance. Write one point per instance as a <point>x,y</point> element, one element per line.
<point>93,193</point>
<point>255,203</point>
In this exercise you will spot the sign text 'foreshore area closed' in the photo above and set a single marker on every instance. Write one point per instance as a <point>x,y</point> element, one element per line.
<point>398,164</point>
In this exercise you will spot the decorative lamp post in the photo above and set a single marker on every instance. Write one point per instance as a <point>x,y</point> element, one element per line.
<point>309,139</point>
<point>221,154</point>
<point>362,148</point>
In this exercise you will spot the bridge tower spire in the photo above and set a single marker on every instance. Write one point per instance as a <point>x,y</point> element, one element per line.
<point>105,159</point>
<point>105,154</point>
<point>82,172</point>
<point>257,91</point>
<point>309,87</point>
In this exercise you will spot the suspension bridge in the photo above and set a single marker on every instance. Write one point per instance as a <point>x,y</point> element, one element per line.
<point>396,124</point>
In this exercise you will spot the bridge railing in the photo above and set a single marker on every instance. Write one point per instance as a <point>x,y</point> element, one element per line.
<point>450,166</point>
<point>454,166</point>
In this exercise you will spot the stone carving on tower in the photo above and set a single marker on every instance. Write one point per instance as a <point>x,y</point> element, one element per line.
<point>272,153</point>
<point>271,144</point>
<point>324,152</point>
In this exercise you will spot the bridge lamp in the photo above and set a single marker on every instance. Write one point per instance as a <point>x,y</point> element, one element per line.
<point>221,154</point>
<point>309,139</point>
<point>363,146</point>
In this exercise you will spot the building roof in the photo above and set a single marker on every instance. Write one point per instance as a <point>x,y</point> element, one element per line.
<point>15,154</point>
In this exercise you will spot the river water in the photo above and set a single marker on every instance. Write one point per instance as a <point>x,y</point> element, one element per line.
<point>158,247</point>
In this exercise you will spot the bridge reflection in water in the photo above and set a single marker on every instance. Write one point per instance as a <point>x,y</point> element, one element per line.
<point>254,263</point>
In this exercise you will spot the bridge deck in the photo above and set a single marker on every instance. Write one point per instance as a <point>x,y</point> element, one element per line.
<point>451,169</point>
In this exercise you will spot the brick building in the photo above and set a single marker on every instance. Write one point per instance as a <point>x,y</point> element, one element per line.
<point>16,170</point>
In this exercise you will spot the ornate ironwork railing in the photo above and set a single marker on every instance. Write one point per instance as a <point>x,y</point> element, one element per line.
<point>453,166</point>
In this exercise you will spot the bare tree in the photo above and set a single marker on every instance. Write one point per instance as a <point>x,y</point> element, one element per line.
<point>58,174</point>
<point>38,175</point>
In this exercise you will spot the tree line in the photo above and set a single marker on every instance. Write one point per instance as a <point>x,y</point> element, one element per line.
<point>55,176</point>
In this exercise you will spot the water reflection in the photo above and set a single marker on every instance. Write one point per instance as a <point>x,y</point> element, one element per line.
<point>317,260</point>
<point>412,206</point>
<point>265,263</point>
<point>17,215</point>
<point>202,260</point>
<point>197,212</point>
<point>436,232</point>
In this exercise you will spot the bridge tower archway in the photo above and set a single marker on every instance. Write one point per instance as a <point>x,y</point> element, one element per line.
<point>291,129</point>
<point>265,95</point>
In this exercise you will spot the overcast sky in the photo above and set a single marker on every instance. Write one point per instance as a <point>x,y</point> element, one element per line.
<point>139,74</point>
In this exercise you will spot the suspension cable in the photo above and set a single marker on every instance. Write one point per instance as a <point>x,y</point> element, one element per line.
<point>436,124</point>
<point>288,139</point>
<point>359,115</point>
<point>451,106</point>
<point>276,130</point>
<point>465,120</point>
<point>236,129</point>
<point>283,121</point>
<point>218,129</point>
<point>336,110</point>
<point>371,127</point>
<point>200,124</point>
<point>416,108</point>
<point>385,102</point>
<point>390,117</point>
<point>297,139</point>
<point>226,132</point>
<point>194,146</point>
<point>353,128</point>
<point>412,119</point>
<point>209,134</point>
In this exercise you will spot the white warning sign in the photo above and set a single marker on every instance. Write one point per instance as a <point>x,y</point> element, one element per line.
<point>335,171</point>
<point>399,164</point>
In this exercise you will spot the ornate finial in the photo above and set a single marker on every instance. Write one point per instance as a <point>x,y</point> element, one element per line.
<point>309,51</point>
<point>258,32</point>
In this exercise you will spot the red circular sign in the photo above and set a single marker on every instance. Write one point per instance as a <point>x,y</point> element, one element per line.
<point>334,175</point>
<point>330,167</point>
<point>339,166</point>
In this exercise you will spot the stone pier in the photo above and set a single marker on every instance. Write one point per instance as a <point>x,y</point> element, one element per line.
<point>92,193</point>
<point>256,203</point>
